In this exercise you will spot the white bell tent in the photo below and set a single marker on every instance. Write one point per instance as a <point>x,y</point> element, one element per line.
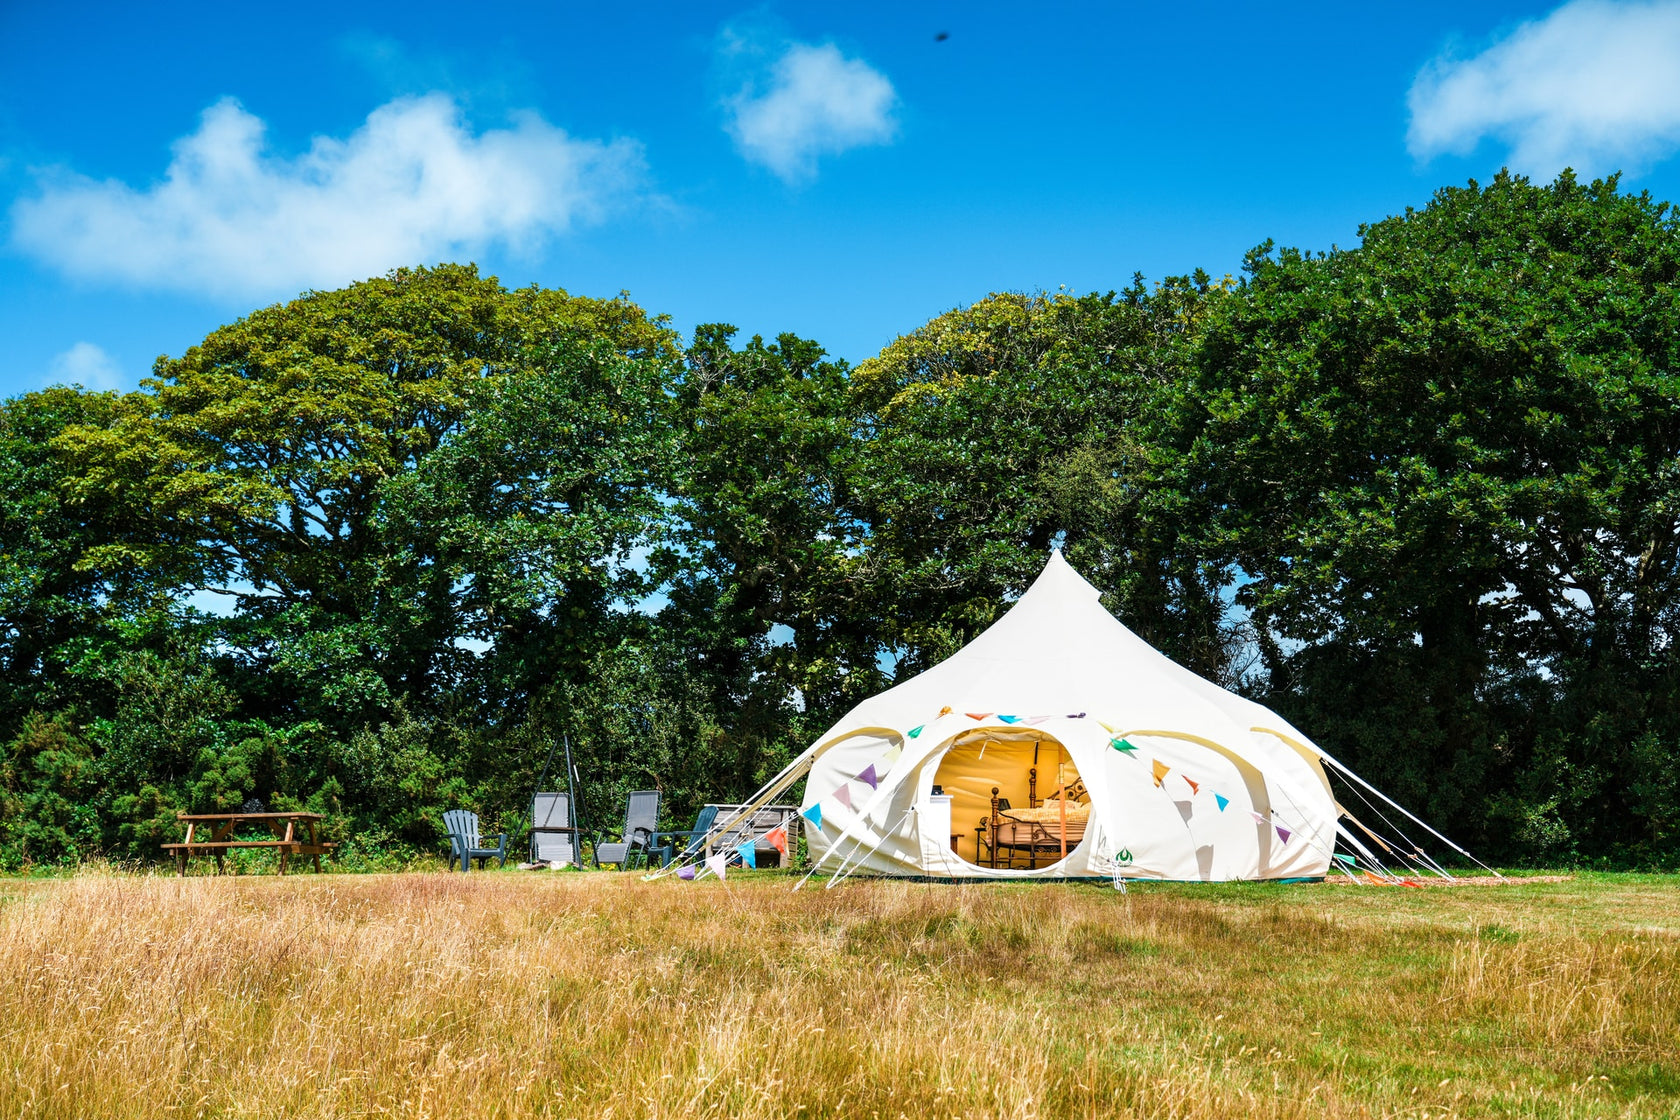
<point>1060,744</point>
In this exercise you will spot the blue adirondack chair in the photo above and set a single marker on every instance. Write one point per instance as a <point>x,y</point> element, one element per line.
<point>464,843</point>
<point>695,844</point>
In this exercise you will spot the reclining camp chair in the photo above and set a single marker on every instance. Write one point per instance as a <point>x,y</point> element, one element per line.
<point>553,837</point>
<point>464,843</point>
<point>641,822</point>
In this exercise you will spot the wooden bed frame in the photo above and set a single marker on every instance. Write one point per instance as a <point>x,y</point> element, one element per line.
<point>1005,837</point>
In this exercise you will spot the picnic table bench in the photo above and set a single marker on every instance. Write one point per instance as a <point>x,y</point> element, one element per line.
<point>289,839</point>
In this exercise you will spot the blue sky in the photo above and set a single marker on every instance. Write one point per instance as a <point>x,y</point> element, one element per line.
<point>836,170</point>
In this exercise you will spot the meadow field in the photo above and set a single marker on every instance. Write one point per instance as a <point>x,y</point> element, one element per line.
<point>598,995</point>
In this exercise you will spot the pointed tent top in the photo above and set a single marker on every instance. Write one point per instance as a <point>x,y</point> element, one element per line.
<point>1057,650</point>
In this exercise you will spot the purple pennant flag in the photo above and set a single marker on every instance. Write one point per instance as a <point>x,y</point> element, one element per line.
<point>1283,833</point>
<point>844,796</point>
<point>686,874</point>
<point>870,776</point>
<point>1077,715</point>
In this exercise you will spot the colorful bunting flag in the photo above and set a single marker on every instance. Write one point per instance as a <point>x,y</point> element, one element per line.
<point>1343,857</point>
<point>1034,721</point>
<point>870,776</point>
<point>844,796</point>
<point>777,839</point>
<point>892,754</point>
<point>1222,800</point>
<point>917,730</point>
<point>814,815</point>
<point>749,856</point>
<point>1194,788</point>
<point>1161,769</point>
<point>1283,833</point>
<point>1107,728</point>
<point>1122,746</point>
<point>686,874</point>
<point>943,712</point>
<point>717,863</point>
<point>1258,818</point>
<point>1077,715</point>
<point>977,715</point>
<point>1010,719</point>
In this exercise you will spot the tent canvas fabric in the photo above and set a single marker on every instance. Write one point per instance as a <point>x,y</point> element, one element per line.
<point>1060,680</point>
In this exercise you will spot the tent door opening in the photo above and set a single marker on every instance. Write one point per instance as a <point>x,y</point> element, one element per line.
<point>1016,803</point>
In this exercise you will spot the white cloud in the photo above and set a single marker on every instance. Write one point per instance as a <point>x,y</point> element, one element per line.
<point>1594,86</point>
<point>410,186</point>
<point>818,102</point>
<point>86,365</point>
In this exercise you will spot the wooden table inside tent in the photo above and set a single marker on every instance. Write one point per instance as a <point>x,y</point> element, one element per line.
<point>294,835</point>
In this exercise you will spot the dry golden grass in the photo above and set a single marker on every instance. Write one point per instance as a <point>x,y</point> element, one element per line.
<point>514,995</point>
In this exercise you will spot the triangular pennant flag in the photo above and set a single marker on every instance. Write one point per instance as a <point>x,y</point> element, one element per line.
<point>749,857</point>
<point>814,815</point>
<point>777,838</point>
<point>917,730</point>
<point>1034,721</point>
<point>844,796</point>
<point>718,863</point>
<point>1077,715</point>
<point>1222,800</point>
<point>943,712</point>
<point>1258,818</point>
<point>1343,857</point>
<point>1161,770</point>
<point>892,754</point>
<point>977,715</point>
<point>1122,746</point>
<point>1107,728</point>
<point>1194,788</point>
<point>1010,719</point>
<point>1283,833</point>
<point>869,776</point>
<point>686,874</point>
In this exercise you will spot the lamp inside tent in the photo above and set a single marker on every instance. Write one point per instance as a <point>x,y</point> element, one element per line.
<point>1059,744</point>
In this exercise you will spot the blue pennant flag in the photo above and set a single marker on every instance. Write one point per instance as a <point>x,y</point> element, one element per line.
<point>1223,801</point>
<point>749,857</point>
<point>1010,719</point>
<point>814,815</point>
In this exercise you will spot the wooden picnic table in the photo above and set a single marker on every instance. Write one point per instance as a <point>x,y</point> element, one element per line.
<point>289,839</point>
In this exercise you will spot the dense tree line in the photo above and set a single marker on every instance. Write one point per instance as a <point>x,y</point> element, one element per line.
<point>372,551</point>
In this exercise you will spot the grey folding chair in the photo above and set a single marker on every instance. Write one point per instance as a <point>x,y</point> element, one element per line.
<point>553,837</point>
<point>641,822</point>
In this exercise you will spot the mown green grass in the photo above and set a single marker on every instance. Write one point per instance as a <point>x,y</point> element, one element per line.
<point>545,994</point>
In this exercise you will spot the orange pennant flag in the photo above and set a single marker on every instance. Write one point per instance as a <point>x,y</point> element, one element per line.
<point>977,715</point>
<point>777,838</point>
<point>1194,788</point>
<point>1161,769</point>
<point>945,711</point>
